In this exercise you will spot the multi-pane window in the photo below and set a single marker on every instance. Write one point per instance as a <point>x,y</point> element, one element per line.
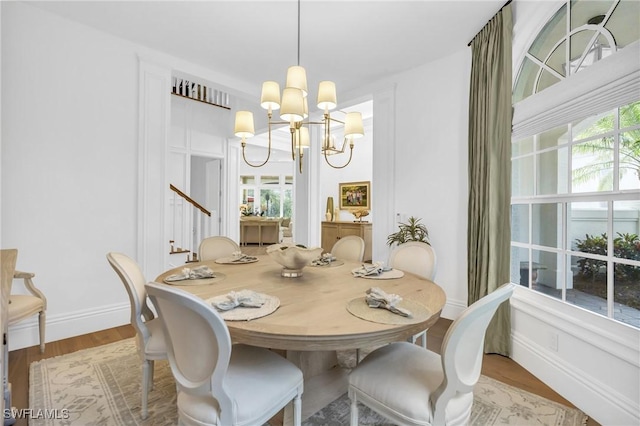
<point>266,195</point>
<point>576,213</point>
<point>576,171</point>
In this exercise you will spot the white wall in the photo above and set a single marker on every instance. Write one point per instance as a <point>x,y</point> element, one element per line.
<point>430,162</point>
<point>69,165</point>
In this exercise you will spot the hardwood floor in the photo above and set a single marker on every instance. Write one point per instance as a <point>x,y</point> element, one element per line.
<point>498,367</point>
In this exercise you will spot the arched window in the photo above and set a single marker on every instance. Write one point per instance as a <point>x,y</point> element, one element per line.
<point>576,160</point>
<point>579,34</point>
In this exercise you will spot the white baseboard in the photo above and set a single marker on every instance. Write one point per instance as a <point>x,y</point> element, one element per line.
<point>595,398</point>
<point>25,333</point>
<point>453,309</point>
<point>590,386</point>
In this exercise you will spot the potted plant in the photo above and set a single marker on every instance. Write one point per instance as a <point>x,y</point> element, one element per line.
<point>412,230</point>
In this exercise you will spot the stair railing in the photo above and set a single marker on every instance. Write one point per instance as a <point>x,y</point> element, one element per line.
<point>190,223</point>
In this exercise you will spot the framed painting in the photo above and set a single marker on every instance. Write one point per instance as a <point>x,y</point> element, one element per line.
<point>355,195</point>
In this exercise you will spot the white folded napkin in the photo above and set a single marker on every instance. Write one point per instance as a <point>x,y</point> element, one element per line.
<point>239,257</point>
<point>323,260</point>
<point>377,298</point>
<point>369,269</point>
<point>192,274</point>
<point>242,298</point>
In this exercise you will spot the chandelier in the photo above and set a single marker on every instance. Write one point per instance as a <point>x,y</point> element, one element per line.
<point>294,110</point>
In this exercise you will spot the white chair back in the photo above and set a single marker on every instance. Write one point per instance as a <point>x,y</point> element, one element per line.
<point>221,384</point>
<point>213,248</point>
<point>133,279</point>
<point>149,334</point>
<point>350,248</point>
<point>198,343</point>
<point>429,389</point>
<point>462,350</point>
<point>415,257</point>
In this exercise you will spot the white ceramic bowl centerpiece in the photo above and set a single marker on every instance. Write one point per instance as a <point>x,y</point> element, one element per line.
<point>293,257</point>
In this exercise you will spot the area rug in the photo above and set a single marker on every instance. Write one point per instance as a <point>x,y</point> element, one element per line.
<point>101,386</point>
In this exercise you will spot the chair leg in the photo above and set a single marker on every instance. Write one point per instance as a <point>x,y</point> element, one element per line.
<point>42,320</point>
<point>423,339</point>
<point>152,365</point>
<point>297,410</point>
<point>354,409</point>
<point>145,387</point>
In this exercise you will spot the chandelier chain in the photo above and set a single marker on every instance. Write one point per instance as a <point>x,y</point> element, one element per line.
<point>298,32</point>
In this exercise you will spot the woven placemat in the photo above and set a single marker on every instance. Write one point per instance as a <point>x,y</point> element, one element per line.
<point>245,314</point>
<point>359,308</point>
<point>219,276</point>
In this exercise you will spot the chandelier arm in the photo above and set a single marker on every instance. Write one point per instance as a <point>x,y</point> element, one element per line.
<point>326,158</point>
<point>344,145</point>
<point>335,120</point>
<point>256,165</point>
<point>244,144</point>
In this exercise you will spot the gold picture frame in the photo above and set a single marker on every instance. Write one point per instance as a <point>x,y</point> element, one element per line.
<point>355,195</point>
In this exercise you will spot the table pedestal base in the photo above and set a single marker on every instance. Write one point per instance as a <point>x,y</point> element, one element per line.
<point>324,381</point>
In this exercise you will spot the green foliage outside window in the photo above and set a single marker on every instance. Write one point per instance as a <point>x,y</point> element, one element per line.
<point>625,246</point>
<point>602,148</point>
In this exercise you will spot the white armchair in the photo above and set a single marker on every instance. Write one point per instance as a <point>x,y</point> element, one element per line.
<point>286,226</point>
<point>22,306</point>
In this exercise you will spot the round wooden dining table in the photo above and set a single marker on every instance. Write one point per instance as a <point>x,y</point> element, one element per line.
<point>312,321</point>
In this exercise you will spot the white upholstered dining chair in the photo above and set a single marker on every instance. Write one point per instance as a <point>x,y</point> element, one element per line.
<point>411,385</point>
<point>220,383</point>
<point>22,306</point>
<point>417,258</point>
<point>212,248</point>
<point>150,338</point>
<point>350,247</point>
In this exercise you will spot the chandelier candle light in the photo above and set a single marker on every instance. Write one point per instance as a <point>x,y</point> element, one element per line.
<point>294,111</point>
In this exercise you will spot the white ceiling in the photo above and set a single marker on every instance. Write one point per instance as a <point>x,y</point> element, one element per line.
<point>353,43</point>
<point>350,42</point>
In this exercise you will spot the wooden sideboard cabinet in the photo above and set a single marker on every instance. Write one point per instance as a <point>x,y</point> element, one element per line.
<point>333,231</point>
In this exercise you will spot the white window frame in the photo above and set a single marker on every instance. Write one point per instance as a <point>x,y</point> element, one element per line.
<point>612,82</point>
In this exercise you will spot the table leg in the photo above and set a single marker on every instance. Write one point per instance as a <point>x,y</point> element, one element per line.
<point>324,381</point>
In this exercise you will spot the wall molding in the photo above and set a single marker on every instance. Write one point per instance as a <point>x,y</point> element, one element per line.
<point>25,333</point>
<point>566,380</point>
<point>617,339</point>
<point>453,309</point>
<point>596,388</point>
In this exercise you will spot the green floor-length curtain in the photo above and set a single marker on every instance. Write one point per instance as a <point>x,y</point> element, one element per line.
<point>490,114</point>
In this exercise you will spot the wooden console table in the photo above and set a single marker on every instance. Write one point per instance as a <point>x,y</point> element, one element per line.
<point>264,231</point>
<point>333,231</point>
